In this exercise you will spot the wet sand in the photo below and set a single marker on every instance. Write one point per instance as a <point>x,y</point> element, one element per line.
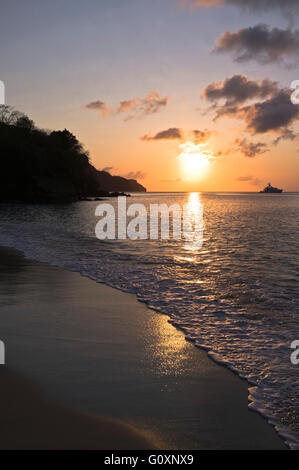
<point>88,351</point>
<point>31,421</point>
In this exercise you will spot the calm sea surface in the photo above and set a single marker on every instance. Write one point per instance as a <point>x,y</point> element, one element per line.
<point>237,296</point>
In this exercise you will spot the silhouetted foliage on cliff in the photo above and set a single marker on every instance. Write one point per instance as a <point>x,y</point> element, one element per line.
<point>44,166</point>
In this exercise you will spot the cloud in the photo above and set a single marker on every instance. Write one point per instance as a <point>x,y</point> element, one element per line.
<point>251,179</point>
<point>134,175</point>
<point>133,108</point>
<point>203,3</point>
<point>259,43</point>
<point>173,133</point>
<point>138,107</point>
<point>286,134</point>
<point>100,106</point>
<point>257,182</point>
<point>107,168</point>
<point>128,105</point>
<point>251,149</point>
<point>244,178</point>
<point>274,114</point>
<point>286,6</point>
<point>238,89</point>
<point>200,137</point>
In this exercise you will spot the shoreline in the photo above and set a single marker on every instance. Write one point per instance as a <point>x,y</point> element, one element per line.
<point>162,368</point>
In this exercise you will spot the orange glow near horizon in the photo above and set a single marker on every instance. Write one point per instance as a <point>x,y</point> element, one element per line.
<point>195,161</point>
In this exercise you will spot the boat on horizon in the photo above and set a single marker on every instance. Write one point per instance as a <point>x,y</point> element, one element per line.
<point>271,189</point>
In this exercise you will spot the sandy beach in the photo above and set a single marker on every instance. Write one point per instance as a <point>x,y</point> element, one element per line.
<point>90,367</point>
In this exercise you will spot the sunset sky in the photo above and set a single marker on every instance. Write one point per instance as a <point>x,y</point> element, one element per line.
<point>144,84</point>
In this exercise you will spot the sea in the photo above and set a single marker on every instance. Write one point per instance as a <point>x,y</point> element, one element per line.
<point>236,294</point>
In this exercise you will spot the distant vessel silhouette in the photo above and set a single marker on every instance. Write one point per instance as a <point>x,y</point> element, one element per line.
<point>271,189</point>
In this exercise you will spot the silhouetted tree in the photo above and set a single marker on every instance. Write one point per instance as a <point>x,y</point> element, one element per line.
<point>8,115</point>
<point>24,122</point>
<point>38,165</point>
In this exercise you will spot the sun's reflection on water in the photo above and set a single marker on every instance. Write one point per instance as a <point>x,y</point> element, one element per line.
<point>169,350</point>
<point>193,223</point>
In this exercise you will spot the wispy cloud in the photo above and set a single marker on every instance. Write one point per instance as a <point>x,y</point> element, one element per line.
<point>202,136</point>
<point>173,133</point>
<point>251,149</point>
<point>133,108</point>
<point>134,175</point>
<point>286,134</point>
<point>99,106</point>
<point>107,168</point>
<point>287,6</point>
<point>244,178</point>
<point>250,179</point>
<point>139,107</point>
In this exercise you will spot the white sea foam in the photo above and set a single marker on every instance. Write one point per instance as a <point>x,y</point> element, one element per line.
<point>237,297</point>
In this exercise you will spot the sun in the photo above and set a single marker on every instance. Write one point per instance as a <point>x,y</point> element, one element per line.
<point>195,160</point>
